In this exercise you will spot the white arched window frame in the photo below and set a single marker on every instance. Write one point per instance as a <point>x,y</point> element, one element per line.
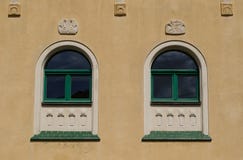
<point>41,112</point>
<point>151,112</point>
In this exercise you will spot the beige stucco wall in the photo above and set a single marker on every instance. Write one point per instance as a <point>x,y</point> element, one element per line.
<point>121,45</point>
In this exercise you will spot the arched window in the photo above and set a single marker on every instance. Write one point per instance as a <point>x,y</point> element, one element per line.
<point>175,88</point>
<point>174,78</point>
<point>68,76</point>
<point>66,94</point>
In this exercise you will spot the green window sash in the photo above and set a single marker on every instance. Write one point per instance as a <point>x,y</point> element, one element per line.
<point>174,73</point>
<point>68,83</point>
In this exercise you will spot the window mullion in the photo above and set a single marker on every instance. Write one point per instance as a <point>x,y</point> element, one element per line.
<point>68,87</point>
<point>174,86</point>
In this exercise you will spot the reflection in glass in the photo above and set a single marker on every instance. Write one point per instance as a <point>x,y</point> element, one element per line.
<point>68,59</point>
<point>80,86</point>
<point>162,86</point>
<point>174,60</point>
<point>55,86</point>
<point>187,86</point>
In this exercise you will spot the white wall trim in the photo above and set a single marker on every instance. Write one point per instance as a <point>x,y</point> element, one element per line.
<point>39,73</point>
<point>196,54</point>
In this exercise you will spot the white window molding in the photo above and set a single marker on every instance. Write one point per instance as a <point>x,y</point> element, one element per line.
<point>171,119</point>
<point>87,116</point>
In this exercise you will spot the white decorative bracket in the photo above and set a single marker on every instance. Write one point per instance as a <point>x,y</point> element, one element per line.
<point>158,119</point>
<point>120,8</point>
<point>175,27</point>
<point>193,119</point>
<point>14,8</point>
<point>226,7</point>
<point>181,118</point>
<point>68,27</point>
<point>170,118</point>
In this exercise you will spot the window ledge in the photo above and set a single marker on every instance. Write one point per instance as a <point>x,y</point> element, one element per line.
<point>66,103</point>
<point>65,136</point>
<point>175,103</point>
<point>176,136</point>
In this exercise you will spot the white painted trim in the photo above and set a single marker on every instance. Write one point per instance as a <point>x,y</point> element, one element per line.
<point>196,54</point>
<point>47,53</point>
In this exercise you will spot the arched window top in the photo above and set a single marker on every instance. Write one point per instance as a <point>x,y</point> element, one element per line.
<point>174,59</point>
<point>68,59</point>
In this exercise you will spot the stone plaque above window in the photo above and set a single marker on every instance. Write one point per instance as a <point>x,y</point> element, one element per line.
<point>175,27</point>
<point>68,27</point>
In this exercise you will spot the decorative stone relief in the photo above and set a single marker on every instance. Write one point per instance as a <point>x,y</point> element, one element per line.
<point>66,119</point>
<point>49,120</point>
<point>170,118</point>
<point>60,115</point>
<point>175,27</point>
<point>83,117</point>
<point>71,120</point>
<point>14,9</point>
<point>158,119</point>
<point>60,121</point>
<point>71,115</point>
<point>226,8</point>
<point>176,119</point>
<point>193,119</point>
<point>181,119</point>
<point>120,8</point>
<point>68,27</point>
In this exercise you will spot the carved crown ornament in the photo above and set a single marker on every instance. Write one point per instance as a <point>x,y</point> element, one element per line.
<point>68,27</point>
<point>175,27</point>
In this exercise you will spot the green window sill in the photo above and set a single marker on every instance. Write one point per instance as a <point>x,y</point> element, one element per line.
<point>50,102</point>
<point>176,136</point>
<point>178,101</point>
<point>65,136</point>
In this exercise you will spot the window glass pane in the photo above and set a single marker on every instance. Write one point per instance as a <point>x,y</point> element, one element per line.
<point>55,86</point>
<point>162,86</point>
<point>174,60</point>
<point>68,59</point>
<point>187,86</point>
<point>80,86</point>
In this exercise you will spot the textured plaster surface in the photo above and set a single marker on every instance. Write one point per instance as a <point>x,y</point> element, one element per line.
<point>121,45</point>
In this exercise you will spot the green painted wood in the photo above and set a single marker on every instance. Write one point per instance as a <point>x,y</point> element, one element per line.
<point>72,101</point>
<point>176,136</point>
<point>179,100</point>
<point>65,136</point>
<point>174,87</point>
<point>67,71</point>
<point>68,74</point>
<point>174,73</point>
<point>68,87</point>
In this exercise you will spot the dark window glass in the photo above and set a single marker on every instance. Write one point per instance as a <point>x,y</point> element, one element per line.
<point>174,60</point>
<point>80,86</point>
<point>68,59</point>
<point>187,86</point>
<point>55,86</point>
<point>162,86</point>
